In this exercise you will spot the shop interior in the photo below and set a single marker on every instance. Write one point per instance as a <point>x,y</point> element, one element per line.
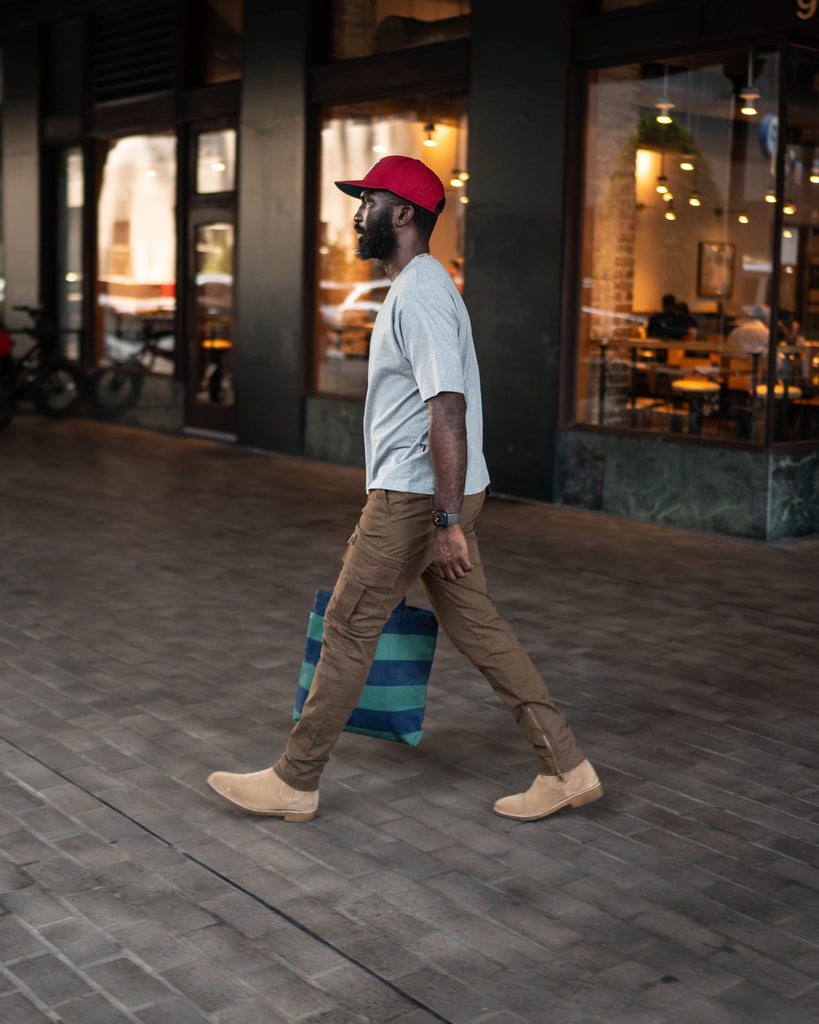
<point>700,248</point>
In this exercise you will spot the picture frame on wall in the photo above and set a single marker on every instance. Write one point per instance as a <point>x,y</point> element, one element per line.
<point>715,270</point>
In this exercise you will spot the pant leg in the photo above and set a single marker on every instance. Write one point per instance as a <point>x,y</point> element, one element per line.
<point>389,549</point>
<point>466,613</point>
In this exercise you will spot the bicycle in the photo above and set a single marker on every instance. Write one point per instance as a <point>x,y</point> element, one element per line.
<point>54,384</point>
<point>118,386</point>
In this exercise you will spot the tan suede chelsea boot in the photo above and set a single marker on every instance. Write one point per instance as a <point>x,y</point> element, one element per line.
<point>548,793</point>
<point>265,793</point>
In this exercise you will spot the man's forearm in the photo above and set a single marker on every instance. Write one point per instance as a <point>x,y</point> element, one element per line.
<point>447,445</point>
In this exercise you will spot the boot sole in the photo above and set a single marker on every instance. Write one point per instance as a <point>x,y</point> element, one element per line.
<point>587,797</point>
<point>287,815</point>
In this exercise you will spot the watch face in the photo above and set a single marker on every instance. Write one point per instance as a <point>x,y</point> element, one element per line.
<point>439,518</point>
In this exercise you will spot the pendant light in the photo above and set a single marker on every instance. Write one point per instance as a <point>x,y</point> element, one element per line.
<point>749,94</point>
<point>664,104</point>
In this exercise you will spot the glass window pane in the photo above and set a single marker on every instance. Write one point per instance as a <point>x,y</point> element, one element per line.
<point>69,290</point>
<point>677,254</point>
<point>382,26</point>
<point>351,291</point>
<point>216,161</point>
<point>136,244</point>
<point>214,313</point>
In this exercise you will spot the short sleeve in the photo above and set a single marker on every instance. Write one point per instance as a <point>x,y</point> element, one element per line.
<point>427,329</point>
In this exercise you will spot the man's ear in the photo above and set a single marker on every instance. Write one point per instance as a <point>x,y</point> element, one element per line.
<point>403,214</point>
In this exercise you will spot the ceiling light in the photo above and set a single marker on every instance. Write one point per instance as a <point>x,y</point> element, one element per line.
<point>695,199</point>
<point>456,181</point>
<point>686,160</point>
<point>770,196</point>
<point>668,196</point>
<point>789,208</point>
<point>662,184</point>
<point>749,94</point>
<point>787,233</point>
<point>464,199</point>
<point>463,175</point>
<point>669,212</point>
<point>430,130</point>
<point>742,217</point>
<point>664,104</point>
<point>814,173</point>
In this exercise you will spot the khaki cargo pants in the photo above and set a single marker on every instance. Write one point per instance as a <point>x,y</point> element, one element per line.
<point>390,549</point>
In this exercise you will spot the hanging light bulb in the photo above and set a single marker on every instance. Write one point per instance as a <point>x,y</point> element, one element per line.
<point>456,181</point>
<point>787,233</point>
<point>463,175</point>
<point>814,173</point>
<point>669,212</point>
<point>789,207</point>
<point>664,104</point>
<point>662,184</point>
<point>742,217</point>
<point>464,199</point>
<point>695,199</point>
<point>429,128</point>
<point>749,94</point>
<point>770,196</point>
<point>668,196</point>
<point>686,160</point>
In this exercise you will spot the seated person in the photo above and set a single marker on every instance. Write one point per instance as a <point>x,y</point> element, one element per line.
<point>751,335</point>
<point>674,322</point>
<point>669,323</point>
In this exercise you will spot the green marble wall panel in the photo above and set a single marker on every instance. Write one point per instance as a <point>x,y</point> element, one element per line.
<point>741,493</point>
<point>334,431</point>
<point>794,497</point>
<point>705,488</point>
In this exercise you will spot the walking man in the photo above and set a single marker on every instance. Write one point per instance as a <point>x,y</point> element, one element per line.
<point>426,482</point>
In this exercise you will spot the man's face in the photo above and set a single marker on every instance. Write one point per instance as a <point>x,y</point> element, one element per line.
<point>377,239</point>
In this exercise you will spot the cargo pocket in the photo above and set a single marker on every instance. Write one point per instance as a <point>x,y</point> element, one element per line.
<point>365,593</point>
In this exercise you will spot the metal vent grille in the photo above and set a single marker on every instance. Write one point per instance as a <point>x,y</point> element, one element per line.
<point>134,49</point>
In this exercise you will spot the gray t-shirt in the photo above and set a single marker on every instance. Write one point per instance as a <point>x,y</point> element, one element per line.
<point>421,345</point>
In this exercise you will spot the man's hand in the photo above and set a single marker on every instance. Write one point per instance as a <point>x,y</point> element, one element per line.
<point>450,558</point>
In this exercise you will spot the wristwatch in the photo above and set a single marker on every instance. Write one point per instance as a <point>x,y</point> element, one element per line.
<point>444,519</point>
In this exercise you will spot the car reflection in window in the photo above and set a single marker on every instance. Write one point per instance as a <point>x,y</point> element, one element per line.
<point>348,315</point>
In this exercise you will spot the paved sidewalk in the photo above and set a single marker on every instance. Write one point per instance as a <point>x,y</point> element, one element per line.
<point>153,602</point>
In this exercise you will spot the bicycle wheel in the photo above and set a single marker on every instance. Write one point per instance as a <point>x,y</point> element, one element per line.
<point>59,392</point>
<point>116,388</point>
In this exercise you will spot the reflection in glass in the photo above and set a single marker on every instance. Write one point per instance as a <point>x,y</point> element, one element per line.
<point>221,41</point>
<point>216,161</point>
<point>351,291</point>
<point>382,26</point>
<point>69,290</point>
<point>676,309</point>
<point>137,253</point>
<point>214,314</point>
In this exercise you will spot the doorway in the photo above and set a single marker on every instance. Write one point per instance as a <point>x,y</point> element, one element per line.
<point>210,403</point>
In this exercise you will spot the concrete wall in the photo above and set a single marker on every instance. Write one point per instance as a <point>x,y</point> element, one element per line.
<point>272,137</point>
<point>514,237</point>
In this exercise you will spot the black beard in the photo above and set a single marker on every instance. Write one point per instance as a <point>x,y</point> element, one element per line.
<point>379,241</point>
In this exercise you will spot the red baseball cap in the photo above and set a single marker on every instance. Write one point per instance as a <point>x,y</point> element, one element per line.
<point>402,175</point>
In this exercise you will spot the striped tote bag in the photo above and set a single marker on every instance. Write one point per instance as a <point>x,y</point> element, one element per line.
<point>394,698</point>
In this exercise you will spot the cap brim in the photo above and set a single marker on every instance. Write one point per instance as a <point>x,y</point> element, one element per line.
<point>351,188</point>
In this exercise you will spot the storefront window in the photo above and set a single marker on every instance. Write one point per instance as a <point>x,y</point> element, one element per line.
<point>361,29</point>
<point>69,290</point>
<point>350,291</point>
<point>685,225</point>
<point>216,161</point>
<point>136,284</point>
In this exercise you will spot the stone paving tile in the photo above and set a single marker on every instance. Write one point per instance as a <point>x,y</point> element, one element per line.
<point>155,597</point>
